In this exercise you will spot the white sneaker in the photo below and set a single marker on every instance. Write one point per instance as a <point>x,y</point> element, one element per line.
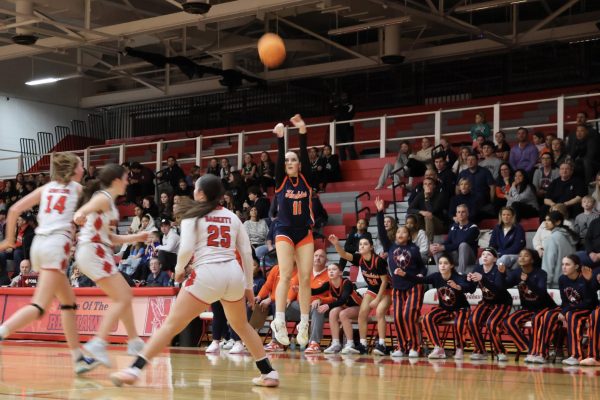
<point>97,349</point>
<point>529,359</point>
<point>459,354</point>
<point>214,347</point>
<point>238,348</point>
<point>413,353</point>
<point>85,364</point>
<point>502,357</point>
<point>280,332</point>
<point>135,346</point>
<point>302,337</point>
<point>437,353</point>
<point>269,380</point>
<point>333,349</point>
<point>478,356</point>
<point>349,349</point>
<point>229,344</point>
<point>397,354</point>
<point>571,361</point>
<point>538,360</point>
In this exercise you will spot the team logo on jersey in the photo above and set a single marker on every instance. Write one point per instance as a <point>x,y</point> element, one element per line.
<point>447,296</point>
<point>526,293</point>
<point>486,293</point>
<point>572,295</point>
<point>402,258</point>
<point>156,314</point>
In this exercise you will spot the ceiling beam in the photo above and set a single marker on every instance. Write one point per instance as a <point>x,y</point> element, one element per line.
<point>551,17</point>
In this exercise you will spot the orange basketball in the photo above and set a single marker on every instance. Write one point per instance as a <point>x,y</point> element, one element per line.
<point>271,50</point>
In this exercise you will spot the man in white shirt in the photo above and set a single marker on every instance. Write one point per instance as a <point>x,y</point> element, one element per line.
<point>167,251</point>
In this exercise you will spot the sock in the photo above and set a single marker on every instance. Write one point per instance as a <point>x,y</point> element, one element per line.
<point>382,341</point>
<point>363,342</point>
<point>140,362</point>
<point>264,365</point>
<point>280,316</point>
<point>335,342</point>
<point>3,332</point>
<point>76,354</point>
<point>304,318</point>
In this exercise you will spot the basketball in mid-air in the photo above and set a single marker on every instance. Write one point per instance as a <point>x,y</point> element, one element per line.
<point>271,50</point>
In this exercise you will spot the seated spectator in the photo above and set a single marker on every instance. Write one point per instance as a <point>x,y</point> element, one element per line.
<point>482,184</point>
<point>544,175</point>
<point>319,214</point>
<point>481,127</point>
<point>584,150</point>
<point>315,167</point>
<point>165,207</point>
<point>590,255</point>
<point>248,170</point>
<point>583,220</point>
<point>558,245</point>
<point>508,238</point>
<point>257,228</point>
<point>224,171</point>
<point>502,147</point>
<point>430,173</point>
<point>490,161</point>
<point>401,161</point>
<point>468,198</point>
<point>503,185</point>
<point>548,144</point>
<point>539,141</point>
<point>255,199</point>
<point>167,251</point>
<point>559,152</point>
<point>567,189</point>
<point>521,197</point>
<point>237,188</point>
<point>542,233</point>
<point>136,221</point>
<point>156,276</point>
<point>450,154</point>
<point>151,245</point>
<point>265,301</point>
<point>419,161</point>
<point>80,280</point>
<point>524,154</point>
<point>330,167</point>
<point>265,253</point>
<point>131,263</point>
<point>266,171</point>
<point>582,119</point>
<point>478,147</point>
<point>183,189</point>
<point>150,207</point>
<point>170,176</point>
<point>595,193</point>
<point>229,203</point>
<point>213,167</point>
<point>24,238</point>
<point>418,236</point>
<point>429,206</point>
<point>357,233</point>
<point>461,242</point>
<point>141,182</point>
<point>26,274</point>
<point>461,162</point>
<point>446,177</point>
<point>193,176</point>
<point>90,173</point>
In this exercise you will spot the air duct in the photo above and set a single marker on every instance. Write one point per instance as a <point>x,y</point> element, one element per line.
<point>24,36</point>
<point>391,45</point>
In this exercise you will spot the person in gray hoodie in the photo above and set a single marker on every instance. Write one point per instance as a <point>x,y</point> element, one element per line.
<point>559,244</point>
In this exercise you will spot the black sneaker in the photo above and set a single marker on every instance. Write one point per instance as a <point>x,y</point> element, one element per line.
<point>380,350</point>
<point>362,349</point>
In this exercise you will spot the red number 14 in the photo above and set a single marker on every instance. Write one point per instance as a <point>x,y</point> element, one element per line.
<point>58,206</point>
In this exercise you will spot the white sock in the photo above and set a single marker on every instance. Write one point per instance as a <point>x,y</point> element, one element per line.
<point>304,318</point>
<point>3,332</point>
<point>75,354</point>
<point>280,316</point>
<point>335,342</point>
<point>363,342</point>
<point>382,341</point>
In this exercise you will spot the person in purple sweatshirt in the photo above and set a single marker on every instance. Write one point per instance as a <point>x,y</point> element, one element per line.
<point>524,154</point>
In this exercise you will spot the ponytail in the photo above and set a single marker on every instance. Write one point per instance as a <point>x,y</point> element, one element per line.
<point>188,208</point>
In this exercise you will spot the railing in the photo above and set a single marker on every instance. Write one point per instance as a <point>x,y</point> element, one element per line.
<point>366,208</point>
<point>198,149</point>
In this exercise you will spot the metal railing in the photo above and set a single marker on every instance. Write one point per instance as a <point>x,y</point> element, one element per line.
<point>202,148</point>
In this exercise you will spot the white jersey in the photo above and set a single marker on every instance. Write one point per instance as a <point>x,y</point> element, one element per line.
<point>57,206</point>
<point>215,238</point>
<point>99,225</point>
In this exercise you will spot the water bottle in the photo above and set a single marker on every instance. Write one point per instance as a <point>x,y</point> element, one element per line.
<point>293,344</point>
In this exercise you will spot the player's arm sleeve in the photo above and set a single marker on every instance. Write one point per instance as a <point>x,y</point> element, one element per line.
<point>245,250</point>
<point>187,243</point>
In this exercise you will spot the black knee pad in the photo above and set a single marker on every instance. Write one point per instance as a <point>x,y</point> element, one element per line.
<point>68,307</point>
<point>40,309</point>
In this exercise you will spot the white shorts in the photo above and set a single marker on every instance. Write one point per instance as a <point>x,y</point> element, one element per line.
<point>95,260</point>
<point>50,252</point>
<point>217,281</point>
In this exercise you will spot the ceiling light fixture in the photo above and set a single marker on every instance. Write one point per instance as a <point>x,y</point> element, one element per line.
<point>369,25</point>
<point>485,5</point>
<point>50,79</point>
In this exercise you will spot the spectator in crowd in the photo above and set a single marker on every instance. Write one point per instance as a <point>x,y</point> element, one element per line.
<point>156,276</point>
<point>450,154</point>
<point>315,167</point>
<point>590,255</point>
<point>468,198</point>
<point>319,213</point>
<point>418,236</point>
<point>548,143</point>
<point>523,154</point>
<point>136,221</point>
<point>502,147</point>
<point>559,153</point>
<point>357,233</point>
<point>430,207</point>
<point>567,189</point>
<point>583,220</point>
<point>401,161</point>
<point>446,177</point>
<point>542,233</point>
<point>225,170</point>
<point>230,203</point>
<point>391,226</point>
<point>461,162</point>
<point>40,179</point>
<point>265,253</point>
<point>559,244</point>
<point>237,188</point>
<point>582,119</point>
<point>149,207</point>
<point>490,161</point>
<point>481,127</point>
<point>478,146</point>
<point>248,170</point>
<point>257,228</point>
<point>167,251</point>
<point>482,184</point>
<point>330,167</point>
<point>508,238</point>
<point>266,171</point>
<point>430,173</point>
<point>26,273</point>
<point>539,141</point>
<point>544,175</point>
<point>80,280</point>
<point>255,199</point>
<point>193,176</point>
<point>25,233</point>
<point>503,184</point>
<point>344,133</point>
<point>130,264</point>
<point>418,162</point>
<point>213,167</point>
<point>90,174</point>
<point>165,207</point>
<point>595,192</point>
<point>584,150</point>
<point>141,182</point>
<point>20,191</point>
<point>182,189</point>
<point>151,245</point>
<point>461,242</point>
<point>170,176</point>
<point>522,198</point>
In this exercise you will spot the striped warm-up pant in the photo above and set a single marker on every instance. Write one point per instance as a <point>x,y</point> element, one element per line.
<point>438,315</point>
<point>594,334</point>
<point>575,323</point>
<point>491,316</point>
<point>407,310</point>
<point>513,324</point>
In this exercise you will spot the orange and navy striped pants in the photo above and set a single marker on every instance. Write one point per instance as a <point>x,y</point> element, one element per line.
<point>594,334</point>
<point>438,315</point>
<point>491,316</point>
<point>513,324</point>
<point>407,310</point>
<point>575,325</point>
<point>547,323</point>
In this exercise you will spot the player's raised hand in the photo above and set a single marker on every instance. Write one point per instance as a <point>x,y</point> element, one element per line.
<point>333,239</point>
<point>379,203</point>
<point>586,272</point>
<point>299,123</point>
<point>279,130</point>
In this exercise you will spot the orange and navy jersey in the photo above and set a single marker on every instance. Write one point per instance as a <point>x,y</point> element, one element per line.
<point>371,270</point>
<point>268,289</point>
<point>344,295</point>
<point>319,287</point>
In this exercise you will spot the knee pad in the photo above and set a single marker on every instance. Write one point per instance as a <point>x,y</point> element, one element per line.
<point>40,309</point>
<point>68,307</point>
